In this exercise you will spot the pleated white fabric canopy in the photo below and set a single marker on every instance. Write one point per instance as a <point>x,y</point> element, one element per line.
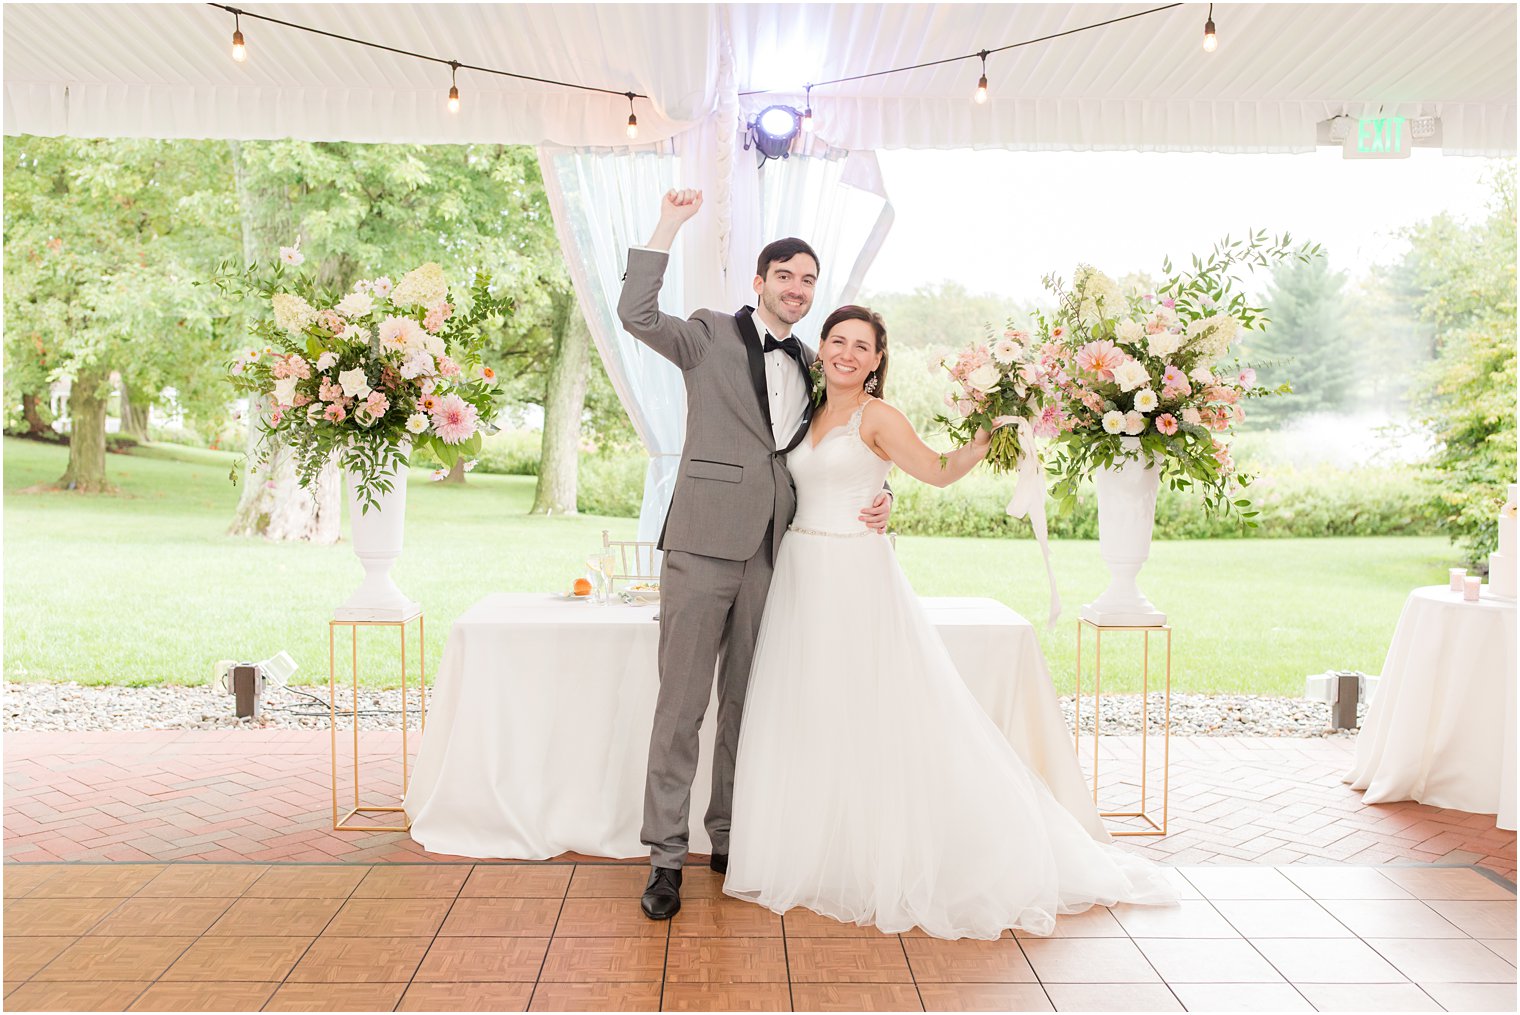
<point>164,70</point>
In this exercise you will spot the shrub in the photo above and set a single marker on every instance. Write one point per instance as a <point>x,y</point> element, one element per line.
<point>611,485</point>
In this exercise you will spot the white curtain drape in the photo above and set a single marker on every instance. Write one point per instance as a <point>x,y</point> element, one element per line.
<point>606,200</point>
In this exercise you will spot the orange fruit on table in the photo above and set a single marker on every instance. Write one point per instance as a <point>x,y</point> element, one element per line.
<point>582,587</point>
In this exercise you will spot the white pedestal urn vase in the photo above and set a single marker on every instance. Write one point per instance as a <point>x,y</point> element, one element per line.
<point>377,542</point>
<point>1126,515</point>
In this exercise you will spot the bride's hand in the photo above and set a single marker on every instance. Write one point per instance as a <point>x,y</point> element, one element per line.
<point>982,440</point>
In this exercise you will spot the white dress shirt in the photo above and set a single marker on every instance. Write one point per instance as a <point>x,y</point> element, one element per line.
<point>787,391</point>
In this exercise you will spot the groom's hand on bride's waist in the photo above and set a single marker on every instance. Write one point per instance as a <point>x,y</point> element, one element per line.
<point>879,513</point>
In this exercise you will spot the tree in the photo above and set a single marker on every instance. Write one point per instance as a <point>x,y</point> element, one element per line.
<point>564,400</point>
<point>102,238</point>
<point>1308,342</point>
<point>1466,279</point>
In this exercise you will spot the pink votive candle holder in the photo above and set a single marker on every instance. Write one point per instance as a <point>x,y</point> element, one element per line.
<point>1457,575</point>
<point>1470,587</point>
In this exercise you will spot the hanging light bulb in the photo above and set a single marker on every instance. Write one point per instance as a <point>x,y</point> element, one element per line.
<point>807,111</point>
<point>453,87</point>
<point>1210,40</point>
<point>981,85</point>
<point>633,120</point>
<point>239,51</point>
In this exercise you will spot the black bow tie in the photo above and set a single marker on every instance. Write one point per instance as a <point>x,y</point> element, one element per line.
<point>789,345</point>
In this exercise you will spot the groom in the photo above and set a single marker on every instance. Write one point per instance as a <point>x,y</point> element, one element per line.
<point>747,405</point>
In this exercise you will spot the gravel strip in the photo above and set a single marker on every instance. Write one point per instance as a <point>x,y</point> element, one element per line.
<point>72,707</point>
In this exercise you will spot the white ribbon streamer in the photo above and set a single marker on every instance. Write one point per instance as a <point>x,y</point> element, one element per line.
<point>1028,501</point>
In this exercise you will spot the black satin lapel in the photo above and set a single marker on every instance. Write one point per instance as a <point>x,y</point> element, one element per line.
<point>756,356</point>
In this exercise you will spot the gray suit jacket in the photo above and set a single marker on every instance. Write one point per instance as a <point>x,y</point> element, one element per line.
<point>732,483</point>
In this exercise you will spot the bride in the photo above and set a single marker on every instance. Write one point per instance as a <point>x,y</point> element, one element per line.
<point>870,786</point>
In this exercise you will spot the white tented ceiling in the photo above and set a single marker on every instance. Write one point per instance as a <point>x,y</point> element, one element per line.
<point>165,70</point>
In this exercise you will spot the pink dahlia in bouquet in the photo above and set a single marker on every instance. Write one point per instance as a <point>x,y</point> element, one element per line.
<point>368,374</point>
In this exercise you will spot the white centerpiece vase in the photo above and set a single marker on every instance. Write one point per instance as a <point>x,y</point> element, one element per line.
<point>377,543</point>
<point>1126,516</point>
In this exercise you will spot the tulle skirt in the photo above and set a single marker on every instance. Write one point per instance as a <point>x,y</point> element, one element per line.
<point>871,787</point>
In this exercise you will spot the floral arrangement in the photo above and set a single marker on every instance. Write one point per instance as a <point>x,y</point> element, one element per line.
<point>1112,377</point>
<point>1003,380</point>
<point>368,374</point>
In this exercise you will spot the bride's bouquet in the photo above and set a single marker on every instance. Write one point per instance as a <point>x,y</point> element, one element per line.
<point>1151,374</point>
<point>368,374</point>
<point>1003,385</point>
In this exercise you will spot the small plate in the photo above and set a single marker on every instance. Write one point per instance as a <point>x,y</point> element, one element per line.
<point>572,595</point>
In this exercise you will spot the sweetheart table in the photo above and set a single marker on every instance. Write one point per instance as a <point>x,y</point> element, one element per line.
<point>538,730</point>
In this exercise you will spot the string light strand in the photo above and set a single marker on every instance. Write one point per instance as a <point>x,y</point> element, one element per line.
<point>978,53</point>
<point>422,56</point>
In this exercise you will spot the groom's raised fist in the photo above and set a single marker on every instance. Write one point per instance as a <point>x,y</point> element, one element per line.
<point>680,205</point>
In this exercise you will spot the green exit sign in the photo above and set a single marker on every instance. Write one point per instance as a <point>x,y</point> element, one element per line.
<point>1381,137</point>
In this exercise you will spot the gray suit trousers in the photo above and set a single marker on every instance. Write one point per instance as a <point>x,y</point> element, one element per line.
<point>709,618</point>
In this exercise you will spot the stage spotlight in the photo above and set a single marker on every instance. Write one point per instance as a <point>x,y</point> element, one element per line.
<point>774,129</point>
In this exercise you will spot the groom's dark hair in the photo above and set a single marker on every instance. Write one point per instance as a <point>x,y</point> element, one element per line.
<point>784,250</point>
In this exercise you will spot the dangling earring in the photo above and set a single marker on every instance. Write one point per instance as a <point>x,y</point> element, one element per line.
<point>871,384</point>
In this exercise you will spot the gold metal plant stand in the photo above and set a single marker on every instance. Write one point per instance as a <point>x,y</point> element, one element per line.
<point>1166,725</point>
<point>342,824</point>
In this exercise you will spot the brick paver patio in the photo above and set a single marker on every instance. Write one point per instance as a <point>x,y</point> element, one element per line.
<point>265,795</point>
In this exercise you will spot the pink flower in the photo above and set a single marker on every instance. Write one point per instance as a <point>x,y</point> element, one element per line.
<point>1049,423</point>
<point>376,404</point>
<point>330,392</point>
<point>1238,413</point>
<point>1173,377</point>
<point>454,420</point>
<point>1169,303</point>
<point>1100,358</point>
<point>278,415</point>
<point>1221,393</point>
<point>447,367</point>
<point>1219,418</point>
<point>428,402</point>
<point>436,315</point>
<point>1247,377</point>
<point>1191,416</point>
<point>290,366</point>
<point>1057,334</point>
<point>335,413</point>
<point>1092,400</point>
<point>1166,423</point>
<point>301,400</point>
<point>332,321</point>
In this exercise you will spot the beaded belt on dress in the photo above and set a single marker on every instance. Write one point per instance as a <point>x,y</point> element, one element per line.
<point>817,532</point>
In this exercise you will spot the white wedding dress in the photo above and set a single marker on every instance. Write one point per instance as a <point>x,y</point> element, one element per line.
<point>871,787</point>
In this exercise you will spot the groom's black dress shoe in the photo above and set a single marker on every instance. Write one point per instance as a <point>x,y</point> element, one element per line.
<point>662,896</point>
<point>719,862</point>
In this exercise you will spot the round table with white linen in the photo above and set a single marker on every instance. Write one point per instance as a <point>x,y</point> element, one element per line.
<point>1441,727</point>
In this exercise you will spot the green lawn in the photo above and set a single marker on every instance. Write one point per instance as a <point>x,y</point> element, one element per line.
<point>145,587</point>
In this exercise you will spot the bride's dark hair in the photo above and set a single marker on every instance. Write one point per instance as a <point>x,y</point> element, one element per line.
<point>851,312</point>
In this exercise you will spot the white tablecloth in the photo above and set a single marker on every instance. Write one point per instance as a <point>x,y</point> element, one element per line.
<point>538,733</point>
<point>1441,727</point>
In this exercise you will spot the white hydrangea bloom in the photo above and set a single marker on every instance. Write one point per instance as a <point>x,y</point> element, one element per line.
<point>291,312</point>
<point>422,286</point>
